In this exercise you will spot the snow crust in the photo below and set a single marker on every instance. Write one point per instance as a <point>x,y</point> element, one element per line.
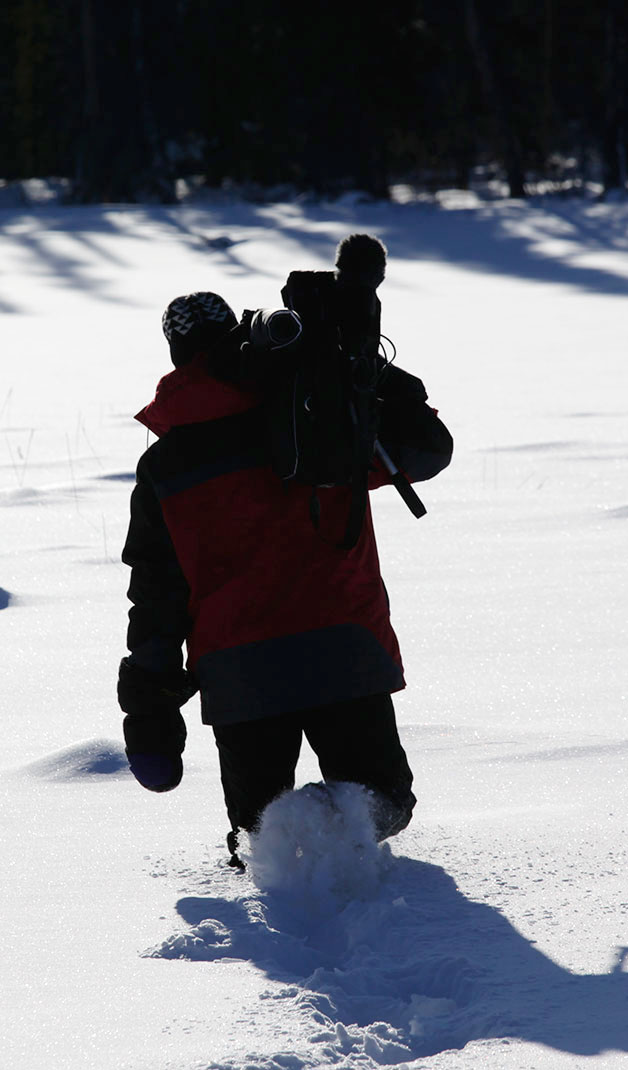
<point>493,931</point>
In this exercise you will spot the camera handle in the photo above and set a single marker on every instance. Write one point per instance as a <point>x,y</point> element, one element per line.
<point>401,484</point>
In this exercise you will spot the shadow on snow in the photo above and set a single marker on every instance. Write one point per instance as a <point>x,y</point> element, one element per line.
<point>539,241</point>
<point>420,944</point>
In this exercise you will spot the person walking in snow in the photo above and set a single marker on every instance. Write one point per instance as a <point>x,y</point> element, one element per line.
<point>287,634</point>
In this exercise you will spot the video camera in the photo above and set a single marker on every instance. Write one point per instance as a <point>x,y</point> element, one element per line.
<point>323,405</point>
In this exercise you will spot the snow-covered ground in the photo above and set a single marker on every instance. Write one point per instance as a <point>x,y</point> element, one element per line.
<point>494,931</point>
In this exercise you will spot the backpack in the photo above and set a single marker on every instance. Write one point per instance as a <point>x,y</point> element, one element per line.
<point>322,405</point>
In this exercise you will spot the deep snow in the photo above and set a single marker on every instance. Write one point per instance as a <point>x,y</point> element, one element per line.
<point>492,932</point>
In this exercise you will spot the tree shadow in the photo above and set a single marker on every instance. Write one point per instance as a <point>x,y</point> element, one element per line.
<point>32,228</point>
<point>504,238</point>
<point>435,969</point>
<point>500,237</point>
<point>117,477</point>
<point>509,239</point>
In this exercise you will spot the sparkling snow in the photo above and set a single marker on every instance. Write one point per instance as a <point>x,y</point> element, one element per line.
<point>493,932</point>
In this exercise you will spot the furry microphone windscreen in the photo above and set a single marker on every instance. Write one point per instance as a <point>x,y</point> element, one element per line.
<point>361,260</point>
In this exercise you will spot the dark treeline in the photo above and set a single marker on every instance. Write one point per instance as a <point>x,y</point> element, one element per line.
<point>123,96</point>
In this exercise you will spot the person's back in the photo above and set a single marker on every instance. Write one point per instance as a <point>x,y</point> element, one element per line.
<point>282,619</point>
<point>286,632</point>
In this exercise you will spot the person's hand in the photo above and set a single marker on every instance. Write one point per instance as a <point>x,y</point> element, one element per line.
<point>154,730</point>
<point>154,745</point>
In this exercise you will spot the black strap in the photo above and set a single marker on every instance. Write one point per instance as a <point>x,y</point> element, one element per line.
<point>315,509</point>
<point>360,474</point>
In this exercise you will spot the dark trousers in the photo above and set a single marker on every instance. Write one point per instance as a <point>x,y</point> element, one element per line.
<point>354,741</point>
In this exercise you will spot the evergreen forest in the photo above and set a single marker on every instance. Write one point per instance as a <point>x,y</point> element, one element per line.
<point>122,97</point>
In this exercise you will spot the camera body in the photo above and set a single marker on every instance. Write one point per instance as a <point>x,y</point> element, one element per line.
<point>321,400</point>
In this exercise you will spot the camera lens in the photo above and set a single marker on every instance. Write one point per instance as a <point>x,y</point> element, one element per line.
<point>274,328</point>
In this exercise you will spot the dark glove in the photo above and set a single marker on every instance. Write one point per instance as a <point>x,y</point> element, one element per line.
<point>146,693</point>
<point>154,730</point>
<point>154,745</point>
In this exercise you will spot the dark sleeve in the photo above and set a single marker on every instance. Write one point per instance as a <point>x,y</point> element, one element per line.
<point>410,430</point>
<point>158,619</point>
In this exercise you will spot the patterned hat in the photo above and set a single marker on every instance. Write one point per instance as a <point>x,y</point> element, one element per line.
<point>193,322</point>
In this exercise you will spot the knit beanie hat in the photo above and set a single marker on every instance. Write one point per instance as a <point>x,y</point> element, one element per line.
<point>195,322</point>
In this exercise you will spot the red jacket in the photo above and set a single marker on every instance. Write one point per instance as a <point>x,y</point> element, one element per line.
<point>224,556</point>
